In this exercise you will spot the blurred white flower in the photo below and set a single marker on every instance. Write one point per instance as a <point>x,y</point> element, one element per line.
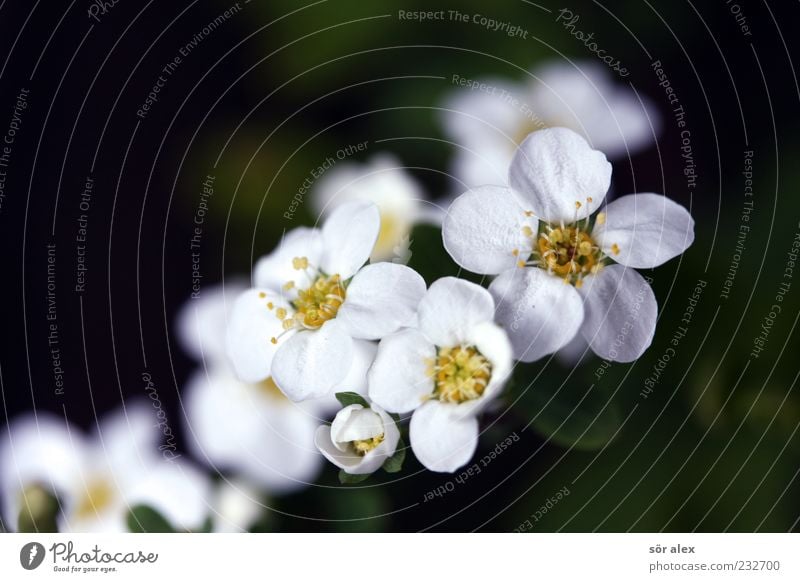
<point>236,506</point>
<point>249,429</point>
<point>489,123</point>
<point>553,281</point>
<point>385,182</point>
<point>359,440</point>
<point>99,478</point>
<point>314,305</point>
<point>446,371</point>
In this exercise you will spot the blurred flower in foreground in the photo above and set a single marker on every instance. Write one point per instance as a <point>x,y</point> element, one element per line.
<point>98,479</point>
<point>246,429</point>
<point>551,256</point>
<point>360,439</point>
<point>236,506</point>
<point>446,371</point>
<point>490,118</point>
<point>315,305</point>
<point>385,182</point>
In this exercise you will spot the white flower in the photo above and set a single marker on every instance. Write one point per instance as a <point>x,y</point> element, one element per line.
<point>360,440</point>
<point>250,429</point>
<point>446,371</point>
<point>385,182</point>
<point>236,506</point>
<point>489,124</point>
<point>99,479</point>
<point>554,279</point>
<point>314,302</point>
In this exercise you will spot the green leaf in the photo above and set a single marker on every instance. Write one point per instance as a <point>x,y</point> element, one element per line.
<point>395,463</point>
<point>575,414</point>
<point>207,526</point>
<point>145,519</point>
<point>348,398</point>
<point>348,479</point>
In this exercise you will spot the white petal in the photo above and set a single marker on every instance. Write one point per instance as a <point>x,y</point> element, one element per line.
<point>129,437</point>
<point>558,173</point>
<point>483,227</point>
<point>384,181</point>
<point>356,380</point>
<point>493,344</point>
<point>647,229</point>
<point>347,460</point>
<point>621,313</point>
<point>180,492</point>
<point>381,299</point>
<point>41,449</point>
<point>247,430</point>
<point>276,269</point>
<point>250,331</point>
<point>201,322</point>
<point>482,161</point>
<point>440,441</point>
<point>472,116</point>
<point>583,97</point>
<point>451,308</point>
<point>237,506</point>
<point>540,312</point>
<point>349,235</point>
<point>311,363</point>
<point>355,423</point>
<point>399,380</point>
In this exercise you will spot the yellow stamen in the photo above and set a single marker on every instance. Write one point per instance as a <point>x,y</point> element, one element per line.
<point>460,374</point>
<point>363,446</point>
<point>300,263</point>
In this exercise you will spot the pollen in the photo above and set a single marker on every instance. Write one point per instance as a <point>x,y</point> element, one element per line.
<point>262,295</point>
<point>460,374</point>
<point>97,496</point>
<point>270,305</point>
<point>568,252</point>
<point>529,213</point>
<point>363,446</point>
<point>601,218</point>
<point>320,302</point>
<point>615,248</point>
<point>281,313</point>
<point>288,285</point>
<point>300,263</point>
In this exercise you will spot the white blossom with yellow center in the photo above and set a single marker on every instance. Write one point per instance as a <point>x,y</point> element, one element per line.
<point>314,302</point>
<point>445,371</point>
<point>489,124</point>
<point>99,478</point>
<point>384,181</point>
<point>359,440</point>
<point>564,264</point>
<point>249,430</point>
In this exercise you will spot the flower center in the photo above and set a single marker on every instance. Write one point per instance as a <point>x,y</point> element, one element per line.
<point>98,496</point>
<point>320,302</point>
<point>460,374</point>
<point>270,389</point>
<point>568,252</point>
<point>363,446</point>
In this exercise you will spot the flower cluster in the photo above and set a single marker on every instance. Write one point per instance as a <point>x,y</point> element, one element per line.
<point>321,320</point>
<point>336,326</point>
